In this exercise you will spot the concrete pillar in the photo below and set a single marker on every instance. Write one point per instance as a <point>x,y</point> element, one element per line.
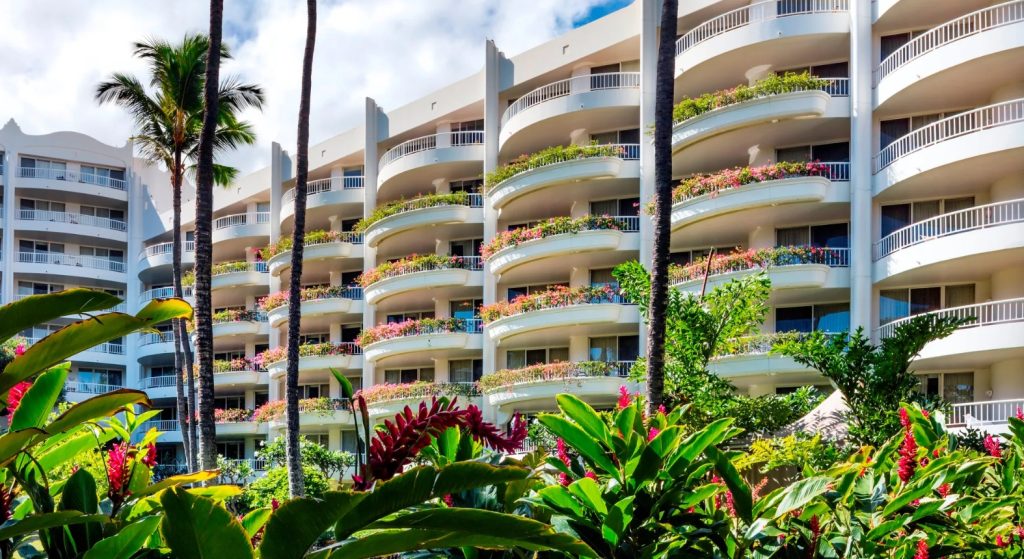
<point>11,164</point>
<point>1008,283</point>
<point>1006,188</point>
<point>861,66</point>
<point>579,348</point>
<point>444,137</point>
<point>1007,379</point>
<point>133,287</point>
<point>650,19</point>
<point>579,277</point>
<point>492,120</point>
<point>370,167</point>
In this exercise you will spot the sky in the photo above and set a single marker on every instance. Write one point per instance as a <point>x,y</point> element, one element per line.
<point>56,51</point>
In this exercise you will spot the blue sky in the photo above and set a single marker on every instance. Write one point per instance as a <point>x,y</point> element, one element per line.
<point>601,10</point>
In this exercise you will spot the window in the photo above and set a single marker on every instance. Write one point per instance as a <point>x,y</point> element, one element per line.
<point>349,440</point>
<point>472,186</point>
<point>262,207</point>
<point>228,355</point>
<point>956,388</point>
<point>513,292</point>
<point>465,370</point>
<point>835,152</point>
<point>40,331</point>
<point>314,391</point>
<point>685,257</point>
<point>468,132</point>
<point>92,375</point>
<point>602,277</point>
<point>28,206</point>
<point>316,338</point>
<point>349,224</point>
<point>466,308</point>
<point>43,169</point>
<point>40,252</point>
<point>518,358</point>
<point>229,402</point>
<point>232,450</point>
<point>102,176</point>
<point>628,136</point>
<point>259,398</point>
<point>892,43</point>
<point>598,79</point>
<point>402,317</point>
<point>898,216</point>
<point>894,129</point>
<point>405,376</point>
<point>322,439</point>
<point>614,348</point>
<point>833,70</point>
<point>36,288</point>
<point>465,247</point>
<point>620,207</point>
<point>895,304</point>
<point>831,318</point>
<point>834,235</point>
<point>114,257</point>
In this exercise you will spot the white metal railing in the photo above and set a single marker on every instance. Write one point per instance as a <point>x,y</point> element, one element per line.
<point>977,414</point>
<point>756,13</point>
<point>61,259</point>
<point>256,464</point>
<point>630,223</point>
<point>90,387</point>
<point>162,381</point>
<point>962,221</point>
<point>109,347</point>
<point>236,267</point>
<point>147,339</point>
<point>984,314</point>
<point>627,152</point>
<point>164,293</point>
<point>837,171</point>
<point>76,219</point>
<point>572,86</point>
<point>837,87</point>
<point>999,114</point>
<point>949,32</point>
<point>325,185</point>
<point>166,248</point>
<point>160,425</point>
<point>452,263</point>
<point>433,141</point>
<point>237,220</point>
<point>66,175</point>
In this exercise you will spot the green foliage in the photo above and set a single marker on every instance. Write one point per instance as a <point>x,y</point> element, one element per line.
<point>773,84</point>
<point>548,156</point>
<point>331,463</point>
<point>422,201</point>
<point>764,415</point>
<point>801,451</point>
<point>273,486</point>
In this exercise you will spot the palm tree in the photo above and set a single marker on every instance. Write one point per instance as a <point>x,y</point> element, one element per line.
<point>167,124</point>
<point>663,96</point>
<point>296,484</point>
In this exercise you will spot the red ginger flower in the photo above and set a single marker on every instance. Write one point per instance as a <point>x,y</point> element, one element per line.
<point>488,434</point>
<point>922,549</point>
<point>992,446</point>
<point>904,418</point>
<point>652,433</point>
<point>1000,542</point>
<point>563,455</point>
<point>944,490</point>
<point>19,350</point>
<point>15,395</point>
<point>1020,414</point>
<point>6,503</point>
<point>624,398</point>
<point>150,458</point>
<point>908,452</point>
<point>591,474</point>
<point>118,473</point>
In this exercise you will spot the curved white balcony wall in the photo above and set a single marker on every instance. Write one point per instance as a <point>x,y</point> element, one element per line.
<point>324,194</point>
<point>239,428</point>
<point>334,250</point>
<point>795,276</point>
<point>426,279</point>
<point>241,328</point>
<point>165,293</point>
<point>948,238</point>
<point>255,275</point>
<point>419,218</point>
<point>159,256</point>
<point>561,245</point>
<point>594,390</point>
<point>995,132</point>
<point>435,149</point>
<point>421,343</point>
<point>561,105</point>
<point>72,182</point>
<point>71,224</point>
<point>159,387</point>
<point>241,226</point>
<point>318,363</point>
<point>572,170</point>
<point>316,419</point>
<point>389,408</point>
<point>796,190</point>
<point>72,266</point>
<point>562,317</point>
<point>317,307</point>
<point>153,347</point>
<point>773,30</point>
<point>990,40</point>
<point>240,378</point>
<point>756,364</point>
<point>106,353</point>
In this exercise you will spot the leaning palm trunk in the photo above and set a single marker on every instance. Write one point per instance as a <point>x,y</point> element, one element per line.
<point>663,96</point>
<point>204,242</point>
<point>186,411</point>
<point>296,484</point>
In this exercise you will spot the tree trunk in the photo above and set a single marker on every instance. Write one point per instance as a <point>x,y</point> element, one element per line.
<point>296,484</point>
<point>204,244</point>
<point>185,411</point>
<point>663,96</point>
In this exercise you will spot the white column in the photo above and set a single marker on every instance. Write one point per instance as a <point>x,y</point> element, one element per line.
<point>650,16</point>
<point>136,203</point>
<point>492,118</point>
<point>370,168</point>
<point>9,257</point>
<point>860,166</point>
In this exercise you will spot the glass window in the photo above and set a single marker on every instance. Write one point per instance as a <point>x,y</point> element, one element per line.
<point>229,402</point>
<point>792,236</point>
<point>959,295</point>
<point>794,319</point>
<point>472,186</point>
<point>232,450</point>
<point>958,388</point>
<point>629,348</point>
<point>832,318</point>
<point>465,370</point>
<point>465,309</point>
<point>797,153</point>
<point>892,130</point>
<point>835,235</point>
<point>536,356</point>
<point>604,349</point>
<point>602,277</point>
<point>893,304</point>
<point>604,207</point>
<point>465,247</point>
<point>558,354</point>
<point>924,300</point>
<point>895,217</point>
<point>515,359</point>
<point>838,151</point>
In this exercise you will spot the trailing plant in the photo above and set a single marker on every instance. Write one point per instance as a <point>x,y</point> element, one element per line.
<point>412,264</point>
<point>554,226</point>
<point>387,392</point>
<point>234,365</point>
<point>757,258</point>
<point>313,293</point>
<point>232,415</point>
<point>237,315</point>
<point>221,268</point>
<point>729,179</point>
<point>548,156</point>
<point>555,297</point>
<point>317,237</point>
<point>773,84</point>
<point>411,327</point>
<point>324,349</point>
<point>460,198</point>
<point>321,407</point>
<point>564,371</point>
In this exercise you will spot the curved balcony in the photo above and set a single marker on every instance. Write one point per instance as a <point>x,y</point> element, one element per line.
<point>978,240</point>
<point>781,191</point>
<point>966,58</point>
<point>238,373</point>
<point>240,426</point>
<point>995,334</point>
<point>62,225</point>
<point>914,14</point>
<point>990,417</point>
<point>238,275</point>
<point>749,361</point>
<point>154,348</point>
<point>90,388</point>
<point>597,310</point>
<point>314,413</point>
<point>781,32</point>
<point>592,243</point>
<point>166,293</point>
<point>319,253</point>
<point>386,400</point>
<point>972,147</point>
<point>591,101</point>
<point>233,233</point>
<point>314,358</point>
<point>452,275</point>
<point>534,388</point>
<point>159,387</point>
<point>792,269</point>
<point>422,339</point>
<point>408,166</point>
<point>614,161</point>
<point>74,183</point>
<point>431,211</point>
<point>324,197</point>
<point>109,353</point>
<point>235,324</point>
<point>169,430</point>
<point>72,266</point>
<point>317,302</point>
<point>155,260</point>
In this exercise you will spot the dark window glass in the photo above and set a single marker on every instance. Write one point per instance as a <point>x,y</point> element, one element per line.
<point>835,235</point>
<point>892,43</point>
<point>536,356</point>
<point>794,319</point>
<point>835,70</point>
<point>892,130</point>
<point>629,206</point>
<point>925,300</point>
<point>839,151</point>
<point>895,217</point>
<point>629,348</point>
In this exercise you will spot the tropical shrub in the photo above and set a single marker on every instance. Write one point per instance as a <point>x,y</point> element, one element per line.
<point>773,84</point>
<point>413,264</point>
<point>316,237</point>
<point>420,390</point>
<point>313,293</point>
<point>806,453</point>
<point>729,179</point>
<point>554,226</point>
<point>565,370</point>
<point>232,415</point>
<point>411,327</point>
<point>330,463</point>
<point>756,258</point>
<point>555,297</point>
<point>229,267</point>
<point>324,349</point>
<point>272,487</point>
<point>237,315</point>
<point>420,202</point>
<point>322,407</point>
<point>547,156</point>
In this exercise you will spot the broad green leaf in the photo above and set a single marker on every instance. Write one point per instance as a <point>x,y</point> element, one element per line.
<point>81,441</point>
<point>575,437</point>
<point>584,416</point>
<point>588,492</point>
<point>13,442</point>
<point>712,434</point>
<point>619,517</point>
<point>197,528</point>
<point>38,402</point>
<point>699,495</point>
<point>463,476</point>
<point>127,542</point>
<point>84,334</point>
<point>346,386</point>
<point>97,407</point>
<point>296,526</point>
<point>909,495</point>
<point>800,493</point>
<point>559,498</point>
<point>887,527</point>
<point>48,520</point>
<point>79,494</point>
<point>739,488</point>
<point>174,481</point>
<point>254,520</point>
<point>40,309</point>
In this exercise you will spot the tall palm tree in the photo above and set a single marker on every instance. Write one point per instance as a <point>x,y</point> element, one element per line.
<point>663,96</point>
<point>167,124</point>
<point>296,484</point>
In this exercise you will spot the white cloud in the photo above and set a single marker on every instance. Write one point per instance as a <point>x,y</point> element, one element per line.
<point>392,50</point>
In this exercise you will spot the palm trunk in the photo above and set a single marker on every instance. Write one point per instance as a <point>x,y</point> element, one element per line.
<point>204,242</point>
<point>296,484</point>
<point>184,410</point>
<point>663,96</point>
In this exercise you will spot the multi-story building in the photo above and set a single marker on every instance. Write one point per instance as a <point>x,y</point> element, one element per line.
<point>915,206</point>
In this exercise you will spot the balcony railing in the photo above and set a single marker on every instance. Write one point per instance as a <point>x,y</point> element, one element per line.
<point>163,425</point>
<point>148,339</point>
<point>756,13</point>
<point>572,86</point>
<point>984,314</point>
<point>255,464</point>
<point>66,175</point>
<point>90,387</point>
<point>962,221</point>
<point>325,185</point>
<point>166,248</point>
<point>949,32</point>
<point>980,414</point>
<point>109,347</point>
<point>61,259</point>
<point>239,316</point>
<point>163,293</point>
<point>162,381</point>
<point>837,87</point>
<point>238,220</point>
<point>630,223</point>
<point>999,114</point>
<point>433,141</point>
<point>472,263</point>
<point>76,219</point>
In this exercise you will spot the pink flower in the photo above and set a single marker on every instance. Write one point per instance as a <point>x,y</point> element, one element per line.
<point>907,463</point>
<point>624,398</point>
<point>590,474</point>
<point>449,500</point>
<point>274,504</point>
<point>904,418</point>
<point>661,409</point>
<point>150,458</point>
<point>1020,414</point>
<point>15,395</point>
<point>922,549</point>
<point>993,447</point>
<point>118,473</point>
<point>19,350</point>
<point>944,490</point>
<point>652,433</point>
